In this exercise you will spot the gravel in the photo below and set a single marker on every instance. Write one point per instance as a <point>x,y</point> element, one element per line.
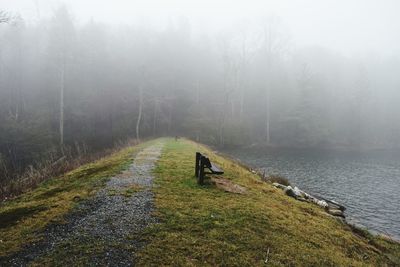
<point>111,221</point>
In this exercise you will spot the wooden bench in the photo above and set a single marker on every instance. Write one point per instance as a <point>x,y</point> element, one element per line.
<point>203,163</point>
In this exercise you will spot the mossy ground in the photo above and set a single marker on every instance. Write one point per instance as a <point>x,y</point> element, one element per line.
<point>202,225</point>
<point>22,219</point>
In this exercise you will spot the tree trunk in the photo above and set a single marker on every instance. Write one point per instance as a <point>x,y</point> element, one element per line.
<point>242,80</point>
<point>197,93</point>
<point>268,34</point>
<point>140,112</point>
<point>221,128</point>
<point>267,122</point>
<point>241,105</point>
<point>197,136</point>
<point>62,88</point>
<point>170,118</point>
<point>155,118</point>
<point>110,120</point>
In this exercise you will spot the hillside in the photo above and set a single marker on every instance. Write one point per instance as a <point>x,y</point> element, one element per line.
<point>113,212</point>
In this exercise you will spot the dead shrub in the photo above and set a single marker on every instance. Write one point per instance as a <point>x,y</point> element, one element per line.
<point>71,158</point>
<point>276,178</point>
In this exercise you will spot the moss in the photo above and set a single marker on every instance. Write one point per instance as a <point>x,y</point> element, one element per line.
<point>112,192</point>
<point>131,190</point>
<point>23,218</point>
<point>83,251</point>
<point>51,192</point>
<point>203,226</point>
<point>13,216</point>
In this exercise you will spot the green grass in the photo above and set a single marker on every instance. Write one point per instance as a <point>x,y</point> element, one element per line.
<point>22,219</point>
<point>204,226</point>
<point>131,190</point>
<point>198,225</point>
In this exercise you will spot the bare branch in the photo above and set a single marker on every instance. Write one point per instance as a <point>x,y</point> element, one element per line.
<point>4,17</point>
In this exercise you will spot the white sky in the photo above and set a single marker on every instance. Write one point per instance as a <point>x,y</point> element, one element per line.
<point>348,26</point>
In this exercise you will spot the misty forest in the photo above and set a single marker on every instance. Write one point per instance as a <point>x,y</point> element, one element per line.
<point>199,133</point>
<point>87,87</point>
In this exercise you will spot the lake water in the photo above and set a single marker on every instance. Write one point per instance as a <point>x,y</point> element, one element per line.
<point>368,184</point>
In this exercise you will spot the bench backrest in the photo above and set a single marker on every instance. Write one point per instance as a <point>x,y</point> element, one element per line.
<point>201,158</point>
<point>206,162</point>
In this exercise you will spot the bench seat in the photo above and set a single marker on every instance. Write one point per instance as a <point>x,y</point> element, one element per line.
<point>215,169</point>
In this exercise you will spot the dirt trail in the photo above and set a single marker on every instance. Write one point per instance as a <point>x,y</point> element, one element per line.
<point>104,230</point>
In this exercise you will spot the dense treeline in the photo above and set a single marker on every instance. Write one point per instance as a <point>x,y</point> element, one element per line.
<point>88,86</point>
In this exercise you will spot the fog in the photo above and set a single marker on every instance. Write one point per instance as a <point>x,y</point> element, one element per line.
<point>350,27</point>
<point>89,74</point>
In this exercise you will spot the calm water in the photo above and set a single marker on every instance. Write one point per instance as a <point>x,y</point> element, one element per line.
<point>368,184</point>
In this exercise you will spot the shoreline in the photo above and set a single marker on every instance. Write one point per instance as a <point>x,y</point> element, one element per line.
<point>347,219</point>
<point>326,149</point>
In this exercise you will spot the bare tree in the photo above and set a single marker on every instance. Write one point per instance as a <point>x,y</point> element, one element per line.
<point>4,17</point>
<point>36,2</point>
<point>61,46</point>
<point>142,79</point>
<point>139,118</point>
<point>228,66</point>
<point>62,91</point>
<point>245,51</point>
<point>274,45</point>
<point>17,105</point>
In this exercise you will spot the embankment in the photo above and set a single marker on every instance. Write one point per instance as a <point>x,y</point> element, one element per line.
<point>197,225</point>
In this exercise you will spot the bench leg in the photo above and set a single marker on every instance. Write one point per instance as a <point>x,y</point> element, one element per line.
<point>197,166</point>
<point>200,179</point>
<point>201,175</point>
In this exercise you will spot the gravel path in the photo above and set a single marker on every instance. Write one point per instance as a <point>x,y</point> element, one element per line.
<point>105,230</point>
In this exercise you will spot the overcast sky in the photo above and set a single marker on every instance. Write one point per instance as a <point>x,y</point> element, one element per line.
<point>348,26</point>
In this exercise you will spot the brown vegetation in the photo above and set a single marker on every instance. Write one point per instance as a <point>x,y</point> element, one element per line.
<point>52,167</point>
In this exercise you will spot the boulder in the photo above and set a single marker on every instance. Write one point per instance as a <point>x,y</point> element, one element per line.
<point>335,212</point>
<point>280,186</point>
<point>298,192</point>
<point>293,192</point>
<point>290,192</point>
<point>322,203</point>
<point>333,209</point>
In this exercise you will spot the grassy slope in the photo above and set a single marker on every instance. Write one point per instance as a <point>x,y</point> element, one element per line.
<point>22,218</point>
<point>201,225</point>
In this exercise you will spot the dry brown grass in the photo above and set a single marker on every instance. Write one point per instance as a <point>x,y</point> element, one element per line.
<point>53,167</point>
<point>276,178</point>
<point>23,218</point>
